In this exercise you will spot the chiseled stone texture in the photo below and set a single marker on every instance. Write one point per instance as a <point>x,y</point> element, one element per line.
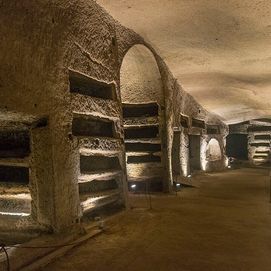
<point>40,41</point>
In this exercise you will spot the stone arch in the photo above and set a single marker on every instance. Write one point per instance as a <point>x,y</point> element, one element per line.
<point>213,150</point>
<point>143,103</point>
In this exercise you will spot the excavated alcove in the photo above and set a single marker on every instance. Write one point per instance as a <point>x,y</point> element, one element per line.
<point>213,150</point>
<point>14,174</point>
<point>143,118</point>
<point>194,152</point>
<point>143,146</point>
<point>140,110</point>
<point>184,121</point>
<point>14,144</point>
<point>85,125</point>
<point>150,131</point>
<point>98,163</point>
<point>213,130</point>
<point>262,137</point>
<point>85,85</point>
<point>198,123</point>
<point>259,129</point>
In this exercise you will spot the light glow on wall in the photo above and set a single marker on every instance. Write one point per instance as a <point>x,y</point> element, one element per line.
<point>90,202</point>
<point>226,161</point>
<point>203,160</point>
<point>14,214</point>
<point>16,196</point>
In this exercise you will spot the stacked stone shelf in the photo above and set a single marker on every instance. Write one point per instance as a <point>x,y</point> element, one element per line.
<point>15,199</point>
<point>95,126</point>
<point>261,129</point>
<point>142,144</point>
<point>100,171</point>
<point>259,143</point>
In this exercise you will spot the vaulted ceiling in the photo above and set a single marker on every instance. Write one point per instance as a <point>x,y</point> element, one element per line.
<point>220,51</point>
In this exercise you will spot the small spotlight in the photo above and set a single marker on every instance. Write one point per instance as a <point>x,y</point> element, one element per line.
<point>189,176</point>
<point>133,186</point>
<point>229,166</point>
<point>178,184</point>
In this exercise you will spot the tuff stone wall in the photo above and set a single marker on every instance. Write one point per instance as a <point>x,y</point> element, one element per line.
<point>42,42</point>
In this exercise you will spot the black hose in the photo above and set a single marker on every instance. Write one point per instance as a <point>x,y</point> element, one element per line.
<point>3,247</point>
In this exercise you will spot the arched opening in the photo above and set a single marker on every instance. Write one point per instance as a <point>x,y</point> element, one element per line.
<point>143,119</point>
<point>213,151</point>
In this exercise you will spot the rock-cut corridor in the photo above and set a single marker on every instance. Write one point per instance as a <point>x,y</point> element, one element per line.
<point>221,224</point>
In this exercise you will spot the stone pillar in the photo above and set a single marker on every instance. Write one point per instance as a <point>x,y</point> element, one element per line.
<point>41,177</point>
<point>65,158</point>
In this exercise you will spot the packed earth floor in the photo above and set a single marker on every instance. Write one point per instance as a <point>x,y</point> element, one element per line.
<point>221,223</point>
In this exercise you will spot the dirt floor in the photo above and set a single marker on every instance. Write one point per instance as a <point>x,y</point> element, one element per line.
<point>222,224</point>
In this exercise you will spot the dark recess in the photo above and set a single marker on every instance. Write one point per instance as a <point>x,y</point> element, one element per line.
<point>198,123</point>
<point>138,147</point>
<point>84,85</point>
<point>92,127</point>
<point>237,146</point>
<point>140,110</point>
<point>143,159</point>
<point>14,144</point>
<point>98,163</point>
<point>264,137</point>
<point>11,174</point>
<point>141,132</point>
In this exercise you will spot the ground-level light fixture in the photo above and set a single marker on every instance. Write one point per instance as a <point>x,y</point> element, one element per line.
<point>133,186</point>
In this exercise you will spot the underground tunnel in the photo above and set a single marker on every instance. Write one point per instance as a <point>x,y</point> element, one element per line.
<point>141,127</point>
